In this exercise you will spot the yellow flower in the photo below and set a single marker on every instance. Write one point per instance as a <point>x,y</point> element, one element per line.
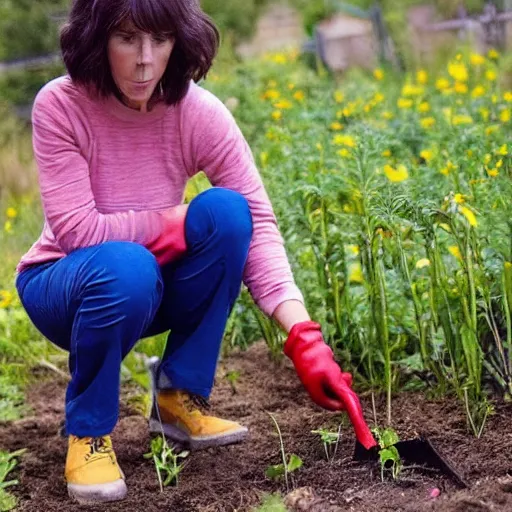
<point>507,96</point>
<point>424,262</point>
<point>319,146</point>
<point>299,95</point>
<point>388,115</point>
<point>355,273</point>
<point>6,298</point>
<point>477,59</point>
<point>344,153</point>
<point>458,198</point>
<point>492,172</point>
<point>386,153</point>
<point>460,88</point>
<point>478,91</point>
<point>354,249</point>
<point>291,86</point>
<point>442,84</point>
<point>378,98</point>
<point>11,212</point>
<point>455,252</point>
<point>505,115</point>
<point>422,77</point>
<point>462,119</point>
<point>484,112</point>
<point>279,58</point>
<point>491,129</point>
<point>458,71</point>
<point>336,126</point>
<point>404,103</point>
<point>271,94</point>
<point>448,169</point>
<point>378,74</point>
<point>503,150</point>
<point>493,54</point>
<point>338,97</point>
<point>470,216</point>
<point>428,122</point>
<point>276,115</point>
<point>424,107</point>
<point>283,104</point>
<point>396,175</point>
<point>412,90</point>
<point>344,140</point>
<point>263,158</point>
<point>491,75</point>
<point>427,155</point>
<point>8,226</point>
<point>445,227</point>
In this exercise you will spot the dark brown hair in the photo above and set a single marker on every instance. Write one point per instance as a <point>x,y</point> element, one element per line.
<point>84,39</point>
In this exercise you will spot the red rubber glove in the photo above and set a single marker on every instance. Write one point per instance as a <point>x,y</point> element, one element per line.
<point>323,379</point>
<point>171,244</point>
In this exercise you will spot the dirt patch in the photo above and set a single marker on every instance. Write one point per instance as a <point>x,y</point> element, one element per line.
<point>232,478</point>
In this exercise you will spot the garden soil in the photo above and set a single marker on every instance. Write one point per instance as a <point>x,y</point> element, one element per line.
<point>233,478</point>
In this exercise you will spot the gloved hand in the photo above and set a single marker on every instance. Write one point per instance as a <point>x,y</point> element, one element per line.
<point>171,244</point>
<point>314,362</point>
<point>323,379</point>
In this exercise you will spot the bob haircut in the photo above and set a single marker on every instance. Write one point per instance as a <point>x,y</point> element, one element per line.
<point>85,35</point>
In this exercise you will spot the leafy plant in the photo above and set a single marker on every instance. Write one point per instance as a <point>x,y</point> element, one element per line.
<point>8,462</point>
<point>167,462</point>
<point>232,376</point>
<point>388,454</point>
<point>329,439</point>
<point>291,462</point>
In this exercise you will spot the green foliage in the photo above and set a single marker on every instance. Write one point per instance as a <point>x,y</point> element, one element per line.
<point>167,463</point>
<point>330,441</point>
<point>8,462</point>
<point>388,454</point>
<point>271,503</point>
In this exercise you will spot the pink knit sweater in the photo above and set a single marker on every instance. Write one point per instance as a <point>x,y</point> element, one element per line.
<point>105,171</point>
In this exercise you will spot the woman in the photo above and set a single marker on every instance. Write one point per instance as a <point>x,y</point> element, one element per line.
<point>120,257</point>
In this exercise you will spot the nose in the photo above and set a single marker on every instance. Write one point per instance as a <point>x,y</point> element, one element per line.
<point>146,50</point>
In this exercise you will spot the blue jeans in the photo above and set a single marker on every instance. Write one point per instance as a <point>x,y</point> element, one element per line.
<point>97,302</point>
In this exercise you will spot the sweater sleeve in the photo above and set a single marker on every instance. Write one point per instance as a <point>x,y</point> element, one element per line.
<point>219,148</point>
<point>66,192</point>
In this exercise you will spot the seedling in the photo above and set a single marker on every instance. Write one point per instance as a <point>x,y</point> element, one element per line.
<point>167,462</point>
<point>329,439</point>
<point>8,462</point>
<point>291,462</point>
<point>232,376</point>
<point>388,453</point>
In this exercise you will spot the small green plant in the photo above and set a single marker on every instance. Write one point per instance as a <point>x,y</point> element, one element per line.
<point>291,462</point>
<point>167,462</point>
<point>329,439</point>
<point>271,503</point>
<point>8,462</point>
<point>388,453</point>
<point>232,376</point>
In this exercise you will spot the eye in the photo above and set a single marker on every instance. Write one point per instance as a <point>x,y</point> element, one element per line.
<point>127,38</point>
<point>160,38</point>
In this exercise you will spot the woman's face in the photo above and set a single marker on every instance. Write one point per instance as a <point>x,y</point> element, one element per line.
<point>137,62</point>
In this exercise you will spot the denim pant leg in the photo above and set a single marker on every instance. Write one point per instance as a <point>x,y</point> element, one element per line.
<point>200,289</point>
<point>96,303</point>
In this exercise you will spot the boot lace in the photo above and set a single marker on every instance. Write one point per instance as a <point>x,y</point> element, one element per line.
<point>193,400</point>
<point>98,445</point>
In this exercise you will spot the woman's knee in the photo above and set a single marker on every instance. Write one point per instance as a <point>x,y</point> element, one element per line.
<point>127,271</point>
<point>220,212</point>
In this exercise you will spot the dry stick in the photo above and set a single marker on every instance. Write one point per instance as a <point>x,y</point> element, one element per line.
<point>337,442</point>
<point>46,364</point>
<point>282,451</point>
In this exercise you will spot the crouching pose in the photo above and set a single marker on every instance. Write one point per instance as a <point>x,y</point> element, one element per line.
<point>121,258</point>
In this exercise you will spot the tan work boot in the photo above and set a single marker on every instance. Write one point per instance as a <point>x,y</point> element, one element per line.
<point>92,472</point>
<point>177,413</point>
